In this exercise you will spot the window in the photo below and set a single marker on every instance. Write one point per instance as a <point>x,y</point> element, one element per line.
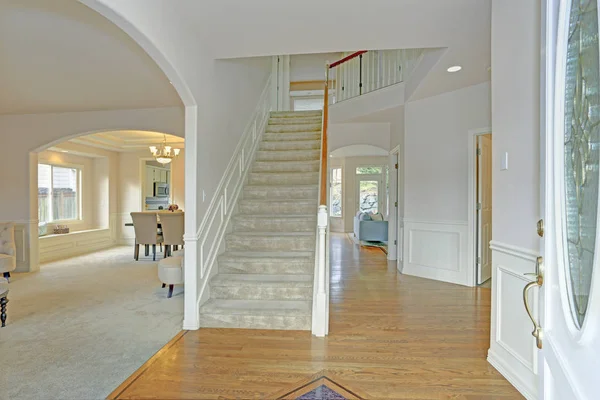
<point>58,193</point>
<point>336,192</point>
<point>368,170</point>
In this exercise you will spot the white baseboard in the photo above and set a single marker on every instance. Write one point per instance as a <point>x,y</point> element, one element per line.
<point>191,325</point>
<point>507,373</point>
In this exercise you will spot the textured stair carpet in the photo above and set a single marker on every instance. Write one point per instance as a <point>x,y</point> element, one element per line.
<point>265,277</point>
<point>80,327</point>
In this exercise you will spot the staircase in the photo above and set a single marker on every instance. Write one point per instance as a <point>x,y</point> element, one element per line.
<point>265,278</point>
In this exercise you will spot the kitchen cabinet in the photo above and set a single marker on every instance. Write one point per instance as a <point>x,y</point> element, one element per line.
<point>153,175</point>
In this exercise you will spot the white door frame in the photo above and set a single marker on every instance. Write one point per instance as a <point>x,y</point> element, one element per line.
<point>393,249</point>
<point>472,199</point>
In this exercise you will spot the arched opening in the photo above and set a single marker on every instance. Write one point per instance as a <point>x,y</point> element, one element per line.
<point>73,72</point>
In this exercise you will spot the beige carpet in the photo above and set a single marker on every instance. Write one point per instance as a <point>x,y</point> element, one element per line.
<point>81,326</point>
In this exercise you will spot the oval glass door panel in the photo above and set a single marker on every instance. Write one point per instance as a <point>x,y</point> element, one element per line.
<point>581,153</point>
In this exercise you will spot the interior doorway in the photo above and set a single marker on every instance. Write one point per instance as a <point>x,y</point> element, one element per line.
<point>481,215</point>
<point>484,208</point>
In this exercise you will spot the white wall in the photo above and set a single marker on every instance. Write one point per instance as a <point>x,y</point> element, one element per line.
<point>374,134</point>
<point>516,191</point>
<point>311,67</point>
<point>436,152</point>
<point>435,181</point>
<point>236,86</point>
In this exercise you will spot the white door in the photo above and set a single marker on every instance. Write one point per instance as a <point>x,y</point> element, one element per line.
<point>484,208</point>
<point>569,362</point>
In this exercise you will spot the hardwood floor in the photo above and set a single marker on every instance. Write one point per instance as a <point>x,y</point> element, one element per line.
<point>391,337</point>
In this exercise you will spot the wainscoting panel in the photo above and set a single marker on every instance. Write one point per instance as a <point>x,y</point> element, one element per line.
<point>436,250</point>
<point>512,347</point>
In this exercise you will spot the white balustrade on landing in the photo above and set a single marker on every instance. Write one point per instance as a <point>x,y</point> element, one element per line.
<point>374,70</point>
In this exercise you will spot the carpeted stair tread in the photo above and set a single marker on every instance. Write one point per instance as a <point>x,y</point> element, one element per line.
<point>262,280</point>
<point>295,121</point>
<point>268,254</point>
<point>296,136</point>
<point>257,307</point>
<point>316,127</point>
<point>286,166</point>
<point>276,216</point>
<point>295,114</point>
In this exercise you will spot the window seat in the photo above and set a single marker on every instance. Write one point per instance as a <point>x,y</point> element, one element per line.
<point>56,247</point>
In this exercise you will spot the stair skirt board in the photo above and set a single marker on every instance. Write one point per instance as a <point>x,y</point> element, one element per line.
<point>265,275</point>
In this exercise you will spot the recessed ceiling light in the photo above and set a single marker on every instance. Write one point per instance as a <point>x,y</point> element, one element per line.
<point>455,68</point>
<point>331,155</point>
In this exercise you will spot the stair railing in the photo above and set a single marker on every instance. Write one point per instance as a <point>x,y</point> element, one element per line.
<point>320,306</point>
<point>364,71</point>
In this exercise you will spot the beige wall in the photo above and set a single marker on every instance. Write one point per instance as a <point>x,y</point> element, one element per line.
<point>131,198</point>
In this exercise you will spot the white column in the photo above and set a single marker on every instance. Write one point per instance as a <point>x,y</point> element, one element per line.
<point>393,198</point>
<point>192,198</point>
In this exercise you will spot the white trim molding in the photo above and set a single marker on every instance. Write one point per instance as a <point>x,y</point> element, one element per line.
<point>208,241</point>
<point>512,347</point>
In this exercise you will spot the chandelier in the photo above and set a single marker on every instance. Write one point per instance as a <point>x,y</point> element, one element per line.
<point>164,154</point>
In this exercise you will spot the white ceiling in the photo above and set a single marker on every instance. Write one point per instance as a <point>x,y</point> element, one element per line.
<point>59,55</point>
<point>123,141</point>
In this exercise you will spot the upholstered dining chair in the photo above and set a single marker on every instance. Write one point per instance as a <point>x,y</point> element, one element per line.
<point>8,250</point>
<point>172,230</point>
<point>145,227</point>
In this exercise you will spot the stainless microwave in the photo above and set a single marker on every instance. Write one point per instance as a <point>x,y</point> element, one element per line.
<point>161,189</point>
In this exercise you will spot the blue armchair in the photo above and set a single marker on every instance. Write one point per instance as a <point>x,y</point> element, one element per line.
<point>368,230</point>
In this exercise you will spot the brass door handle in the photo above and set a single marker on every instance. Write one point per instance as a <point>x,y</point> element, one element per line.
<point>539,281</point>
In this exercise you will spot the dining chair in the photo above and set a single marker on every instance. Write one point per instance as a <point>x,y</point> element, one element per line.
<point>145,227</point>
<point>172,230</point>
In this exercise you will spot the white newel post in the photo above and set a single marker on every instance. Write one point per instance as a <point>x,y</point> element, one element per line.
<point>320,328</point>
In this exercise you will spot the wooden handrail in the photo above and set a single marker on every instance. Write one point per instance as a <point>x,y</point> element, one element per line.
<point>324,155</point>
<point>324,148</point>
<point>347,58</point>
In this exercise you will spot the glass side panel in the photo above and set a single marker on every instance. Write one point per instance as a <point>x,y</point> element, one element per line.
<point>336,192</point>
<point>581,152</point>
<point>368,196</point>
